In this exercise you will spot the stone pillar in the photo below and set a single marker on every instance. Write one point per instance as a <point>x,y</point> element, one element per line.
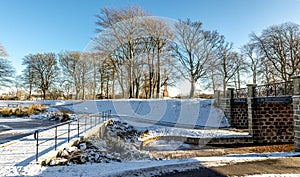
<point>166,92</point>
<point>229,106</point>
<point>251,108</point>
<point>217,97</point>
<point>251,90</point>
<point>296,111</point>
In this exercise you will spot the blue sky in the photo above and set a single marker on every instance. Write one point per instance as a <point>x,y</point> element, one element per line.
<point>31,26</point>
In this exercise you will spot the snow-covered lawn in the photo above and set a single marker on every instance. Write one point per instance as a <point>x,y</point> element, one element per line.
<point>189,113</point>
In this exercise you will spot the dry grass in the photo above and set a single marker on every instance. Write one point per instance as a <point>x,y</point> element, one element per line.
<point>22,111</point>
<point>7,112</point>
<point>65,117</point>
<point>34,109</point>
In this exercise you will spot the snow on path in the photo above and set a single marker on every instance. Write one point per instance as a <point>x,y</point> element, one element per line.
<point>20,154</point>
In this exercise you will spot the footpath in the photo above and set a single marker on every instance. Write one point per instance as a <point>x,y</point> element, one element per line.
<point>19,154</point>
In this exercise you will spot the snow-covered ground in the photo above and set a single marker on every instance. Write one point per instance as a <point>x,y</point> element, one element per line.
<point>154,131</point>
<point>146,168</point>
<point>178,112</point>
<point>189,112</point>
<point>125,168</point>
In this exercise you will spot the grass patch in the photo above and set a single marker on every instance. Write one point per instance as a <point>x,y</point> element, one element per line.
<point>22,111</point>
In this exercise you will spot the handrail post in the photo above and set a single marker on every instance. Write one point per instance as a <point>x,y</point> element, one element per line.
<point>91,118</point>
<point>36,137</point>
<point>78,127</point>
<point>69,132</point>
<point>55,138</point>
<point>85,123</point>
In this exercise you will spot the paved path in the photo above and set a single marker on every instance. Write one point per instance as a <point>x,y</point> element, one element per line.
<point>16,155</point>
<point>281,167</point>
<point>289,165</point>
<point>16,128</point>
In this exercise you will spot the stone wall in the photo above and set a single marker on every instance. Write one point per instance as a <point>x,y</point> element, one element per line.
<point>269,119</point>
<point>272,122</point>
<point>239,114</point>
<point>296,107</point>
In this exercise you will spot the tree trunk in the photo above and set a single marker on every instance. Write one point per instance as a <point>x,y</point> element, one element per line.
<point>254,75</point>
<point>94,82</point>
<point>158,73</point>
<point>83,87</point>
<point>193,88</point>
<point>239,78</point>
<point>101,85</point>
<point>131,84</point>
<point>224,87</point>
<point>44,93</point>
<point>113,84</point>
<point>107,88</point>
<point>137,88</point>
<point>30,91</point>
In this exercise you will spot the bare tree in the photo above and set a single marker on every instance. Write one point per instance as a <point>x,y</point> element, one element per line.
<point>28,79</point>
<point>253,59</point>
<point>194,50</point>
<point>280,45</point>
<point>44,70</point>
<point>227,63</point>
<point>84,72</point>
<point>157,37</point>
<point>69,62</point>
<point>6,69</point>
<point>122,27</point>
<point>6,72</point>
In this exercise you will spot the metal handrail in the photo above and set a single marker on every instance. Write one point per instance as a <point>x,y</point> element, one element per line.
<point>267,90</point>
<point>104,116</point>
<point>275,89</point>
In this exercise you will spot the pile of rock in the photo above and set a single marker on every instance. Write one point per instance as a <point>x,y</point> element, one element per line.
<point>123,130</point>
<point>55,115</point>
<point>82,155</point>
<point>118,144</point>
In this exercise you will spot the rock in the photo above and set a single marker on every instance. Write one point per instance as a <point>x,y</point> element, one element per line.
<point>82,146</point>
<point>65,153</point>
<point>96,157</point>
<point>71,149</point>
<point>83,159</point>
<point>58,161</point>
<point>146,132</point>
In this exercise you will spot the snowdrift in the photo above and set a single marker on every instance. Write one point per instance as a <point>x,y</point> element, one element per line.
<point>174,112</point>
<point>189,113</point>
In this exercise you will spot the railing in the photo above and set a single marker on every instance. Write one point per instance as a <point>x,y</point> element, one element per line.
<point>276,89</point>
<point>60,129</point>
<point>241,93</point>
<point>267,90</point>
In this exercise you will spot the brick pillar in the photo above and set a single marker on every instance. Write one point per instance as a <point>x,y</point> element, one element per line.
<point>229,106</point>
<point>251,110</point>
<point>296,110</point>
